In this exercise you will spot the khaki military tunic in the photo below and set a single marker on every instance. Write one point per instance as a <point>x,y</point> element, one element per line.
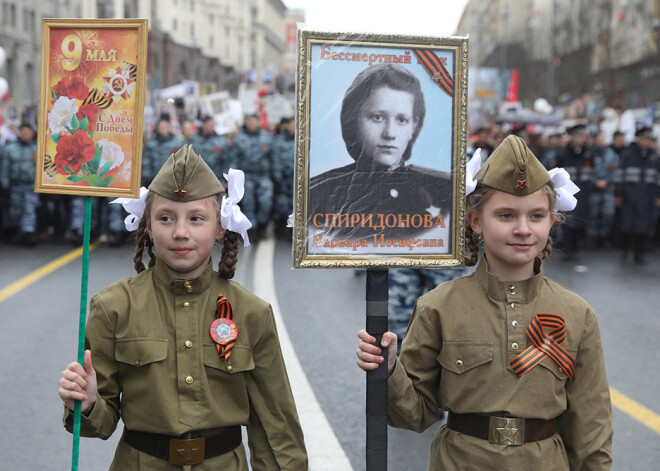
<point>158,368</point>
<point>455,356</point>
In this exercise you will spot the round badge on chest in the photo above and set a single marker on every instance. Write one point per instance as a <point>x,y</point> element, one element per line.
<point>223,331</point>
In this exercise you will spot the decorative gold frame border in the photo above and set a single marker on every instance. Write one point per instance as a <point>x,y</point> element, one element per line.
<point>141,35</point>
<point>456,256</point>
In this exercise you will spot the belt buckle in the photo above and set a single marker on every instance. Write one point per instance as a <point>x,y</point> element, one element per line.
<point>186,452</point>
<point>506,431</point>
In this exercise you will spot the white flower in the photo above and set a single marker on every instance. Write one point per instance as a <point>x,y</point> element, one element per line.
<point>111,152</point>
<point>124,172</point>
<point>60,116</point>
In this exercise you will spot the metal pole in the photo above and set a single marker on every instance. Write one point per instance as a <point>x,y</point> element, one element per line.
<point>377,286</point>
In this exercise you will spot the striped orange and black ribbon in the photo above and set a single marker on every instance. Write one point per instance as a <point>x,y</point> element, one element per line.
<point>98,98</point>
<point>436,69</point>
<point>223,310</point>
<point>547,332</point>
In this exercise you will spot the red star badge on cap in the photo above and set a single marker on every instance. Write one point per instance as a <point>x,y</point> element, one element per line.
<point>179,192</point>
<point>522,184</point>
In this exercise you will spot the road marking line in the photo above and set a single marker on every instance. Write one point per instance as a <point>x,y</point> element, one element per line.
<point>323,449</point>
<point>635,410</point>
<point>39,273</point>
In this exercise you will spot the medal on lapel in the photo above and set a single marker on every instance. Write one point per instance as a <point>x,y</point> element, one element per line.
<point>224,331</point>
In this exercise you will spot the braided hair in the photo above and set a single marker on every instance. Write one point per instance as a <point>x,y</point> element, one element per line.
<point>560,218</point>
<point>230,244</point>
<point>229,255</point>
<point>142,239</point>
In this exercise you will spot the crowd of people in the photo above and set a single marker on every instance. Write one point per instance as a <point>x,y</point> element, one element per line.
<point>265,155</point>
<point>618,203</point>
<point>619,198</point>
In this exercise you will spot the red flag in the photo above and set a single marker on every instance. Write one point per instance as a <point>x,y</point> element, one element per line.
<point>512,89</point>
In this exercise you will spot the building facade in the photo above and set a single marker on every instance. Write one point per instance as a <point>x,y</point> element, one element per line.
<point>20,37</point>
<point>293,17</point>
<point>215,42</point>
<point>566,49</point>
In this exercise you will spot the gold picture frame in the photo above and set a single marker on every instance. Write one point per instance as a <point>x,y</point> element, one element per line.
<point>91,107</point>
<point>381,136</point>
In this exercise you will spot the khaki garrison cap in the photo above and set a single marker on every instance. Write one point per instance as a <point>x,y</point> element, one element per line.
<point>186,177</point>
<point>513,168</point>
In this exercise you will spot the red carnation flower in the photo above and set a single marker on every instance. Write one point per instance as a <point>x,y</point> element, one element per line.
<point>73,151</point>
<point>71,88</point>
<point>89,111</point>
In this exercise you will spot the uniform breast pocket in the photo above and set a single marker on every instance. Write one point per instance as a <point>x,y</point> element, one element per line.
<point>141,351</point>
<point>465,364</point>
<point>548,364</point>
<point>240,360</point>
<point>461,357</point>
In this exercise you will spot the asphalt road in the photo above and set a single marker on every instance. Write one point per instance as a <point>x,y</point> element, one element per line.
<point>322,311</point>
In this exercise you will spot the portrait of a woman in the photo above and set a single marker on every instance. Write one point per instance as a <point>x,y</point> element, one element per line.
<point>382,113</point>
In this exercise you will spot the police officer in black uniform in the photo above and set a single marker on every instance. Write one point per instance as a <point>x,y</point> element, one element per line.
<point>638,193</point>
<point>578,160</point>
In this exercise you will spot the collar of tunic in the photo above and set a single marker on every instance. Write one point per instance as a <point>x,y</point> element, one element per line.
<point>166,277</point>
<point>524,290</point>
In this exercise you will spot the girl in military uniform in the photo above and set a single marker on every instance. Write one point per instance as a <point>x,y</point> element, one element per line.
<point>180,353</point>
<point>514,357</point>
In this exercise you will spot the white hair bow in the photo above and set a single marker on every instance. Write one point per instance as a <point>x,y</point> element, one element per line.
<point>564,188</point>
<point>231,216</point>
<point>135,208</point>
<point>471,170</point>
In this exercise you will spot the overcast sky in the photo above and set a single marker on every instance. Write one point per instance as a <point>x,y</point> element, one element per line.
<point>417,17</point>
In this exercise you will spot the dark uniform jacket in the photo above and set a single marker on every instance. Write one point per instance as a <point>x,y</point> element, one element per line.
<point>213,149</point>
<point>251,153</point>
<point>283,159</point>
<point>408,190</point>
<point>579,163</point>
<point>455,356</point>
<point>17,163</point>
<point>158,368</point>
<point>156,151</point>
<point>638,184</point>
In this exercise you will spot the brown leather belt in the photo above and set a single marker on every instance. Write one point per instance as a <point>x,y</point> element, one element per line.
<point>502,430</point>
<point>181,451</point>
